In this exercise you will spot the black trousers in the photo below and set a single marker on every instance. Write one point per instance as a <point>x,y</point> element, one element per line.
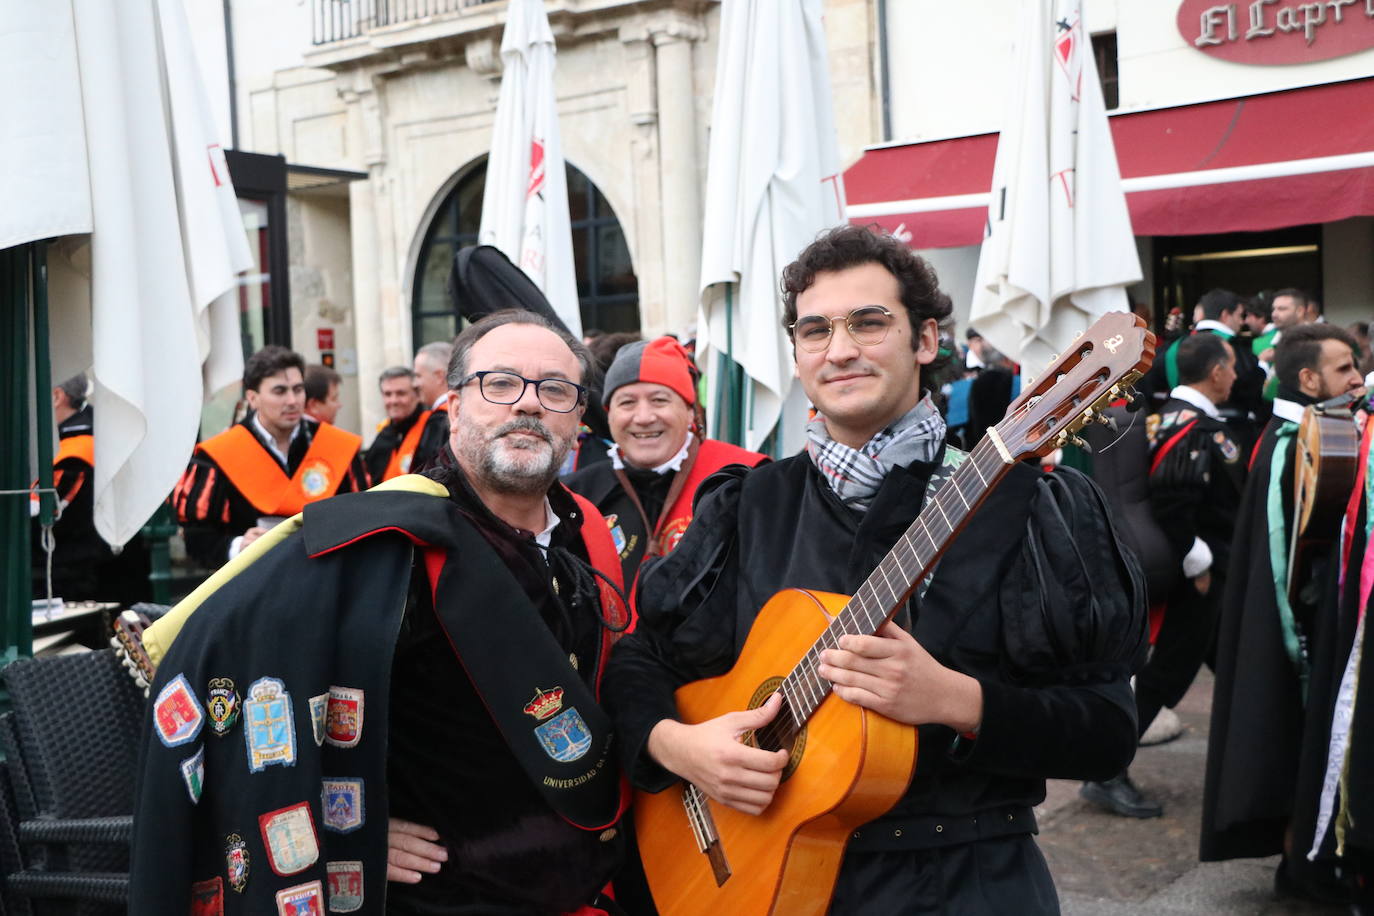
<point>1180,648</point>
<point>989,877</point>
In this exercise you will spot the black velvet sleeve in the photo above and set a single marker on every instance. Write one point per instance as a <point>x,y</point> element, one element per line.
<point>1074,631</point>
<point>1178,489</point>
<point>685,631</point>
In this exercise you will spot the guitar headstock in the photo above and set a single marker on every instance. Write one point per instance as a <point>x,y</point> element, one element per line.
<point>1098,367</point>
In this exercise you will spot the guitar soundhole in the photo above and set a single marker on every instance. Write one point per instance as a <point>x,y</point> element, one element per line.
<point>778,734</point>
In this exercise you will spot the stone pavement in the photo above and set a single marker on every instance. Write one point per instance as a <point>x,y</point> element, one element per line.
<point>1115,866</point>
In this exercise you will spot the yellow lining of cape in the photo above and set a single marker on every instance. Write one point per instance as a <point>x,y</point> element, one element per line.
<point>158,638</point>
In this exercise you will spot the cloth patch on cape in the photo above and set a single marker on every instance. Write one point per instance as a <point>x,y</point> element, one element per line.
<point>565,737</point>
<point>193,773</point>
<point>177,713</point>
<point>617,533</point>
<point>288,835</point>
<point>341,802</point>
<point>269,728</point>
<point>1229,450</point>
<point>236,861</point>
<point>301,900</point>
<point>318,706</point>
<point>345,886</point>
<point>343,721</point>
<point>222,703</point>
<point>207,898</point>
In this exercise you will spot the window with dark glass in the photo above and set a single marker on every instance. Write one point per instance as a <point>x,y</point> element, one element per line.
<point>607,288</point>
<point>1104,53</point>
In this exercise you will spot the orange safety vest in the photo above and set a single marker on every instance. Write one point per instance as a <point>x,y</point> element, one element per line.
<point>261,480</point>
<point>401,458</point>
<point>81,447</point>
<point>712,455</point>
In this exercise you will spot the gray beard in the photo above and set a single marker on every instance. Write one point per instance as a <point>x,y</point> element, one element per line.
<point>486,454</point>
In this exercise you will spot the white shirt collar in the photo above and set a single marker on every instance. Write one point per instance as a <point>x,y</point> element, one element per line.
<point>269,441</point>
<point>672,464</point>
<point>1208,324</point>
<point>1288,410</point>
<point>1197,399</point>
<point>440,401</point>
<point>551,520</point>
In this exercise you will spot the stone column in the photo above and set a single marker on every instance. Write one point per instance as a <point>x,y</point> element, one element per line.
<point>680,178</point>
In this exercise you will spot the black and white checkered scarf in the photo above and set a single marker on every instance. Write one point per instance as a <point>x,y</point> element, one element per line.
<point>855,474</point>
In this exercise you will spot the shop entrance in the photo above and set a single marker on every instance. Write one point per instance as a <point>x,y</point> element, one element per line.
<point>1186,266</point>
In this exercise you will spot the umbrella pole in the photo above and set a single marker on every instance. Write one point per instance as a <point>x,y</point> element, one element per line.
<point>730,393</point>
<point>17,622</point>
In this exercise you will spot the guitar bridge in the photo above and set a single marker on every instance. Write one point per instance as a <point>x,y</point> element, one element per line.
<point>704,831</point>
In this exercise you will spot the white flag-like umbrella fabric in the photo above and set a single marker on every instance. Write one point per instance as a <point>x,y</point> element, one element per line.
<point>166,240</point>
<point>525,202</point>
<point>1059,250</point>
<point>772,184</point>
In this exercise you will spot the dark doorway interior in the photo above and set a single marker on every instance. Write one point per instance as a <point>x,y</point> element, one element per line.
<point>1246,262</point>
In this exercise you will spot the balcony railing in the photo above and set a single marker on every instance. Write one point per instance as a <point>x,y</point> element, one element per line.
<point>335,20</point>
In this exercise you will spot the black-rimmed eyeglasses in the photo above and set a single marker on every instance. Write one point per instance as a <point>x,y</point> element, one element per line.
<point>500,387</point>
<point>867,324</point>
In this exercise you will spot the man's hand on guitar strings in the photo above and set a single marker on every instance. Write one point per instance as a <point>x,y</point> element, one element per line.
<point>711,756</point>
<point>413,851</point>
<point>892,674</point>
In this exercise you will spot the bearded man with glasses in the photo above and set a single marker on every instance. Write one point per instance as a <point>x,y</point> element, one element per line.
<point>1012,660</point>
<point>417,669</point>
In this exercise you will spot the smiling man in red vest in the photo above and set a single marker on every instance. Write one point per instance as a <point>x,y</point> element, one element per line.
<point>266,467</point>
<point>646,489</point>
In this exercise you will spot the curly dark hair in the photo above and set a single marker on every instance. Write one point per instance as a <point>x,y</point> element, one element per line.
<point>852,246</point>
<point>269,361</point>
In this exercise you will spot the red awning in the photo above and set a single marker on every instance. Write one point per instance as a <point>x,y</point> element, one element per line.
<point>1241,165</point>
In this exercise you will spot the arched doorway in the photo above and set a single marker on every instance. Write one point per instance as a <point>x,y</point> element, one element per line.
<point>607,288</point>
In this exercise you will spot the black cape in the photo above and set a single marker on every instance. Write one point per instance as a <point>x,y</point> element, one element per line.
<point>1038,599</point>
<point>1258,719</point>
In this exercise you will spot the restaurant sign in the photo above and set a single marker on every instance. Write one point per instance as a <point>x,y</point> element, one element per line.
<point>1277,31</point>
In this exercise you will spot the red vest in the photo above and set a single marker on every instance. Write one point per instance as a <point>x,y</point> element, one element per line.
<point>711,456</point>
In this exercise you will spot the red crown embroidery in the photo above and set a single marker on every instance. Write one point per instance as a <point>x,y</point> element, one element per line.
<point>545,703</point>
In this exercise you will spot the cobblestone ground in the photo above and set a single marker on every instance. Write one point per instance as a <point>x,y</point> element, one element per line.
<point>1115,866</point>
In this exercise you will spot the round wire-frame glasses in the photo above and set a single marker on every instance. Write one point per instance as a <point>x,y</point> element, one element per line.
<point>867,325</point>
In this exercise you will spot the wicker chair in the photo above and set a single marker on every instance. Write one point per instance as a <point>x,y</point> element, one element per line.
<point>72,750</point>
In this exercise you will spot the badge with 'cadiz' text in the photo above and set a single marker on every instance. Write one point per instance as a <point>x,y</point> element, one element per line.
<point>345,886</point>
<point>269,729</point>
<point>177,713</point>
<point>342,803</point>
<point>288,835</point>
<point>223,705</point>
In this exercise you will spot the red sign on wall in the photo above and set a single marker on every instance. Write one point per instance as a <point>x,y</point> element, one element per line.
<point>324,338</point>
<point>1277,31</point>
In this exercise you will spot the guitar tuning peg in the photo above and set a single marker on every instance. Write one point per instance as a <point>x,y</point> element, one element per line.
<point>1108,421</point>
<point>1081,443</point>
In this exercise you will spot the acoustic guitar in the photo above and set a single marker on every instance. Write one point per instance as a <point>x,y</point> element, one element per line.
<point>848,765</point>
<point>1325,460</point>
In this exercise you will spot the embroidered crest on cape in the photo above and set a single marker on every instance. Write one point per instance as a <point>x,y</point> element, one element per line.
<point>193,773</point>
<point>177,713</point>
<point>301,900</point>
<point>269,728</point>
<point>343,721</point>
<point>345,886</point>
<point>1229,450</point>
<point>236,861</point>
<point>222,703</point>
<point>341,800</point>
<point>565,737</point>
<point>288,835</point>
<point>318,707</point>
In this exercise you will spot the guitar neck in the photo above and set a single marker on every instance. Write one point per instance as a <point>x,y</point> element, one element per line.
<point>891,584</point>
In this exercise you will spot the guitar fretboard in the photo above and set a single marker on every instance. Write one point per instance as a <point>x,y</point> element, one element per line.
<point>889,586</point>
